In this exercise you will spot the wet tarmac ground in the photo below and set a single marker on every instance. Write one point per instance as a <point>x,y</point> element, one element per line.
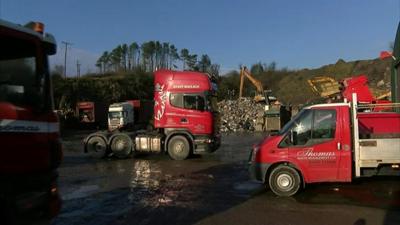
<point>211,189</point>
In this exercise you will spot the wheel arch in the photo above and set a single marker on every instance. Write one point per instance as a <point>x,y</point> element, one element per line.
<point>286,163</point>
<point>183,133</point>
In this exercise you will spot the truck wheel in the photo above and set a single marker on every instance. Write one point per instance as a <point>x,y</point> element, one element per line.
<point>96,146</point>
<point>284,181</point>
<point>121,145</point>
<point>178,148</point>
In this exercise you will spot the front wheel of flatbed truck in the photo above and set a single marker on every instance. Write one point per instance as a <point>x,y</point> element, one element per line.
<point>284,181</point>
<point>178,148</point>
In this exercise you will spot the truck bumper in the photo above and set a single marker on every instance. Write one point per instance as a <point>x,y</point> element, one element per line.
<point>258,171</point>
<point>206,144</point>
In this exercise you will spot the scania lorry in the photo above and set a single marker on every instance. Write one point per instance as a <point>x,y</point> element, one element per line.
<point>121,116</point>
<point>186,120</point>
<point>29,129</point>
<point>334,142</point>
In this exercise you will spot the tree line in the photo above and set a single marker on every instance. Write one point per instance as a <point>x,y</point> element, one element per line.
<point>152,55</point>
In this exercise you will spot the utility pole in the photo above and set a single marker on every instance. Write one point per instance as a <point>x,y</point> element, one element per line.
<point>65,57</point>
<point>78,69</point>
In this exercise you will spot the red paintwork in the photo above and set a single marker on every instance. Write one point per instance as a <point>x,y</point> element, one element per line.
<point>359,85</point>
<point>26,152</point>
<point>33,151</point>
<point>30,141</point>
<point>134,103</point>
<point>12,112</point>
<point>168,116</point>
<point>323,162</point>
<point>85,105</point>
<point>379,123</point>
<point>385,54</point>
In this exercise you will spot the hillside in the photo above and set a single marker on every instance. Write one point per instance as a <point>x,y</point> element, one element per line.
<point>292,87</point>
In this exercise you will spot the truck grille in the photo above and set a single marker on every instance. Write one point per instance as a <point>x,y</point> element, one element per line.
<point>114,122</point>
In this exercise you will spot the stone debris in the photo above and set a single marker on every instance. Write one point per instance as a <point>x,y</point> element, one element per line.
<point>241,115</point>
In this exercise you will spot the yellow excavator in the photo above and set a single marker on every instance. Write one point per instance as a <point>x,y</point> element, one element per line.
<point>261,95</point>
<point>327,87</point>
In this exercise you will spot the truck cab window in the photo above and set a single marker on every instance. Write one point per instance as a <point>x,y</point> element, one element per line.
<point>312,127</point>
<point>324,124</point>
<point>176,99</point>
<point>188,101</point>
<point>19,82</point>
<point>301,132</point>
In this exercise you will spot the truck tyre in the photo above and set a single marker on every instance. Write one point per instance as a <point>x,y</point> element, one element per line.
<point>284,181</point>
<point>96,146</point>
<point>121,145</point>
<point>178,148</point>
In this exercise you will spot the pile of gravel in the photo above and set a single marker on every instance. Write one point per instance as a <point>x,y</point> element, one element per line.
<point>241,115</point>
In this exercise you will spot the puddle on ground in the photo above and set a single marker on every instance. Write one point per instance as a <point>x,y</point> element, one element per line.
<point>82,192</point>
<point>248,186</point>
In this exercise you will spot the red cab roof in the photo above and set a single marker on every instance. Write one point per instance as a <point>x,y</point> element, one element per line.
<point>181,81</point>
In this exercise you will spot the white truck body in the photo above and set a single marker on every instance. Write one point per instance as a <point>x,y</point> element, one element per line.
<point>372,153</point>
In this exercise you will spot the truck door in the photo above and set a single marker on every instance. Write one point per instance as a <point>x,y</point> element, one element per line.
<point>189,112</point>
<point>315,144</point>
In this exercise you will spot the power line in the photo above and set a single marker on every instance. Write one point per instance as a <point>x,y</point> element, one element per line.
<point>65,56</point>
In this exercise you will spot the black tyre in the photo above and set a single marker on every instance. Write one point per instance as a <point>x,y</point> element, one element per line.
<point>121,145</point>
<point>96,146</point>
<point>284,181</point>
<point>178,148</point>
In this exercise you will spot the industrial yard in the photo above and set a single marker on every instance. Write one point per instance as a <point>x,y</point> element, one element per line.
<point>211,189</point>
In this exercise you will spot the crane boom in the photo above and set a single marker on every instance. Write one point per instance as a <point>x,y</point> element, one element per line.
<point>260,95</point>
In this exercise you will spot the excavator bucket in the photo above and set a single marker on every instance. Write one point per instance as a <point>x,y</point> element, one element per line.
<point>324,86</point>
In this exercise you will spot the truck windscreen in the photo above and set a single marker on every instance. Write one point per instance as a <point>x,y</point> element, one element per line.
<point>292,122</point>
<point>20,83</point>
<point>114,115</point>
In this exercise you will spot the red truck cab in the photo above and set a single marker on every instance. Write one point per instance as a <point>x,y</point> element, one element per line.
<point>29,128</point>
<point>185,104</point>
<point>326,143</point>
<point>185,118</point>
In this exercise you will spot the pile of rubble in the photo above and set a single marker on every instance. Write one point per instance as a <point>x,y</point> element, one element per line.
<point>241,115</point>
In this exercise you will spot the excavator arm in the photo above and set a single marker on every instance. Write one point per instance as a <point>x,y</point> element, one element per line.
<point>260,96</point>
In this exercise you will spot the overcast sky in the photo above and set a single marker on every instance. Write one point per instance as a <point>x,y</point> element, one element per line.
<point>295,34</point>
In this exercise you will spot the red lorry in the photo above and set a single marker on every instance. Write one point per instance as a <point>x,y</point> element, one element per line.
<point>186,120</point>
<point>29,129</point>
<point>92,113</point>
<point>334,142</point>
